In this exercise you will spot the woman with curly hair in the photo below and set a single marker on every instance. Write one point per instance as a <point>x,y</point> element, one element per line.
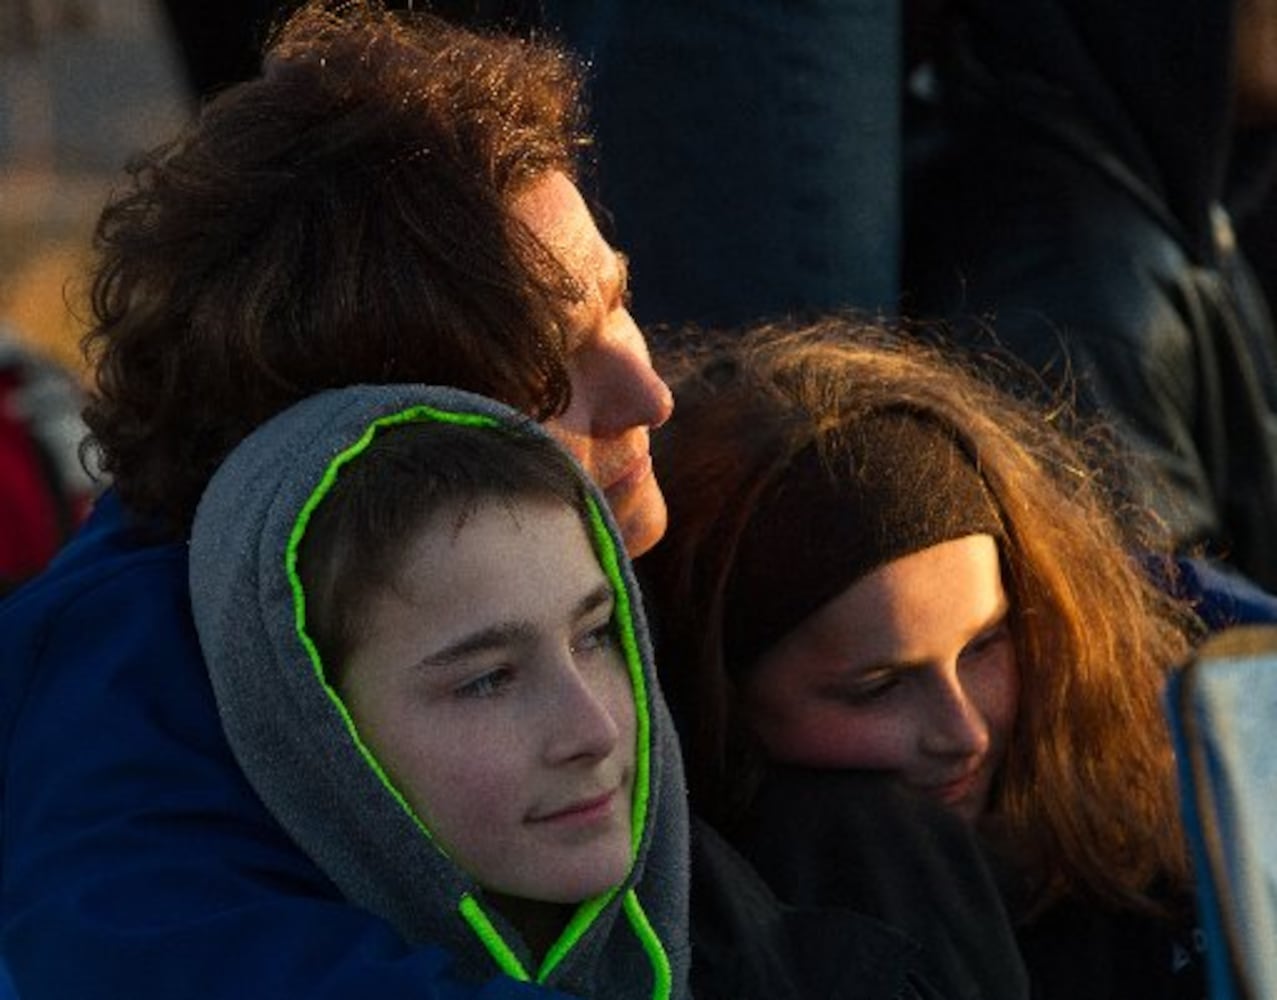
<point>391,199</point>
<point>882,560</point>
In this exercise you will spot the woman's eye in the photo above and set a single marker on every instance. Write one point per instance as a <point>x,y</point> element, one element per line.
<point>486,685</point>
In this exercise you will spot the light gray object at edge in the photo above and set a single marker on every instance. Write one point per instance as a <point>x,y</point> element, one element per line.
<point>1223,713</point>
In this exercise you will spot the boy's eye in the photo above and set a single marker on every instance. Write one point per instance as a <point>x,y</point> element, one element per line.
<point>486,685</point>
<point>601,637</point>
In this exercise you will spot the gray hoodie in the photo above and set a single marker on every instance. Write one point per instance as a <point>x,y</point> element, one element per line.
<point>300,750</point>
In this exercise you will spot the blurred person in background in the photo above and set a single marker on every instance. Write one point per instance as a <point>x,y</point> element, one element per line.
<point>1066,176</point>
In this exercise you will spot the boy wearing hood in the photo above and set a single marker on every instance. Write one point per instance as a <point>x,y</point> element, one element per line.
<point>430,662</point>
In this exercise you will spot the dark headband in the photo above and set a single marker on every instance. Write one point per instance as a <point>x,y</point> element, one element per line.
<point>901,484</point>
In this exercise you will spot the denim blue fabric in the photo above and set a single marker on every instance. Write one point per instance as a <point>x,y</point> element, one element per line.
<point>1220,596</point>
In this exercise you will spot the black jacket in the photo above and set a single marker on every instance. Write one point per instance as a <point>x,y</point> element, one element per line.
<point>747,944</point>
<point>1064,178</point>
<point>845,841</point>
<point>1079,950</point>
<point>842,839</point>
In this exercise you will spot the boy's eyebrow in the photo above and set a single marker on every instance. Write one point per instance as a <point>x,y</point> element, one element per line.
<point>492,637</point>
<point>509,633</point>
<point>595,599</point>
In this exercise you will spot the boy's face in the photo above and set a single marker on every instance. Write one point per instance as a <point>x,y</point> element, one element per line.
<point>489,683</point>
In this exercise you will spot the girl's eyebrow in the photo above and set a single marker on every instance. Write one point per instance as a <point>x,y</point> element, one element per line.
<point>994,620</point>
<point>501,635</point>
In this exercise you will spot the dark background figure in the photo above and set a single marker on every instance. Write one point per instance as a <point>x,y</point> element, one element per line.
<point>1257,232</point>
<point>219,43</point>
<point>1253,194</point>
<point>1066,179</point>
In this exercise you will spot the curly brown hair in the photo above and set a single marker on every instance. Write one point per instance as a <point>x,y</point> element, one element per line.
<point>1087,796</point>
<point>343,217</point>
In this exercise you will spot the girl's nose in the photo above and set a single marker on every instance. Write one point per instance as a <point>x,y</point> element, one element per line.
<point>955,726</point>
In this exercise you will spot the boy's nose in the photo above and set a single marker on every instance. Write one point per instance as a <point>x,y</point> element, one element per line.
<point>581,723</point>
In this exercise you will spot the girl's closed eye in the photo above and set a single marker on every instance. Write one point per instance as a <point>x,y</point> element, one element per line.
<point>988,640</point>
<point>865,690</point>
<point>486,685</point>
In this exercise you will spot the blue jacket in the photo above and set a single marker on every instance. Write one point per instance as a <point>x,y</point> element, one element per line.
<point>135,860</point>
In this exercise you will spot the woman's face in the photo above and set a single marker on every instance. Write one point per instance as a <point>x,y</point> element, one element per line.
<point>910,671</point>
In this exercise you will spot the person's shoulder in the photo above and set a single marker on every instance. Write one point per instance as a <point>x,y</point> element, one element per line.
<point>110,584</point>
<point>1219,594</point>
<point>110,544</point>
<point>110,598</point>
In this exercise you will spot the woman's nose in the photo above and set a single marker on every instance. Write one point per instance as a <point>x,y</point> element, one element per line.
<point>637,395</point>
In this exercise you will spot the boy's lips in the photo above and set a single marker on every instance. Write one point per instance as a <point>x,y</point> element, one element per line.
<point>591,807</point>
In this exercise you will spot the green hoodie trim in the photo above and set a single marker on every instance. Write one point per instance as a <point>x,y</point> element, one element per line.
<point>651,942</point>
<point>411,415</point>
<point>582,919</point>
<point>501,952</point>
<point>605,548</point>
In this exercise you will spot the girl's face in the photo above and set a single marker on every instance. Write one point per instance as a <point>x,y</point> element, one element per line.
<point>910,671</point>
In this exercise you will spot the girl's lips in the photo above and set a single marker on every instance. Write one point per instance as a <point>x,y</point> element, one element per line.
<point>950,792</point>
